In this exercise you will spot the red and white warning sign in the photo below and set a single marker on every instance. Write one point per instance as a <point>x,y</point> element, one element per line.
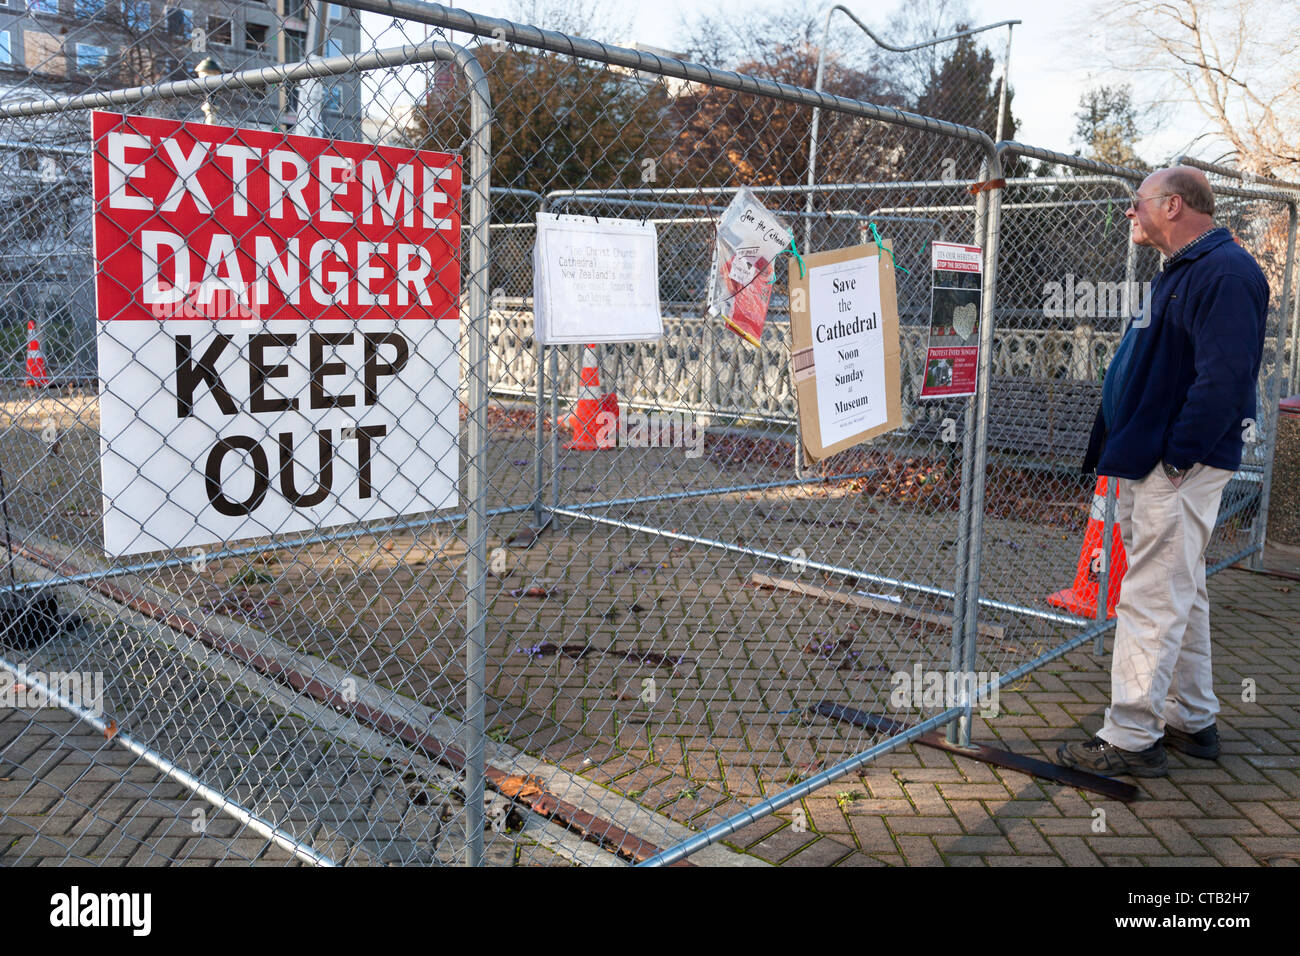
<point>277,331</point>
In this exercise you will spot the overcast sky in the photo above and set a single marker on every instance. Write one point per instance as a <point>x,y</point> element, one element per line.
<point>1052,57</point>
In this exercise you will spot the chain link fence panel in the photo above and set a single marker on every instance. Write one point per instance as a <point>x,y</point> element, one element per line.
<point>639,649</point>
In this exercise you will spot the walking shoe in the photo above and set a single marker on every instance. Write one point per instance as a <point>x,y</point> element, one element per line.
<point>1097,756</point>
<point>1203,743</point>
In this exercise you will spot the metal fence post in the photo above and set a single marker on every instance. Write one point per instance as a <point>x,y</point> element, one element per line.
<point>965,544</point>
<point>480,214</point>
<point>981,402</point>
<point>1274,395</point>
<point>1112,483</point>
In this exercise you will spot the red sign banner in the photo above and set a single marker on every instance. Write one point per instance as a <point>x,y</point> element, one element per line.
<point>277,344</point>
<point>198,221</point>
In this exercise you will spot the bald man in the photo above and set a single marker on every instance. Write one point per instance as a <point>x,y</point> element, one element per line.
<point>1176,402</point>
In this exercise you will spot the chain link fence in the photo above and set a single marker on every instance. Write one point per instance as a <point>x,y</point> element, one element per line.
<point>639,649</point>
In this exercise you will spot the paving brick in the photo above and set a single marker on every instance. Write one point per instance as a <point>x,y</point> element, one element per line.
<point>913,824</point>
<point>777,846</point>
<point>1023,859</point>
<point>967,844</point>
<point>756,831</point>
<point>825,852</point>
<point>1175,837</point>
<point>860,859</point>
<point>919,851</point>
<point>1219,827</point>
<point>1074,851</point>
<point>872,834</point>
<point>1228,851</point>
<point>974,817</point>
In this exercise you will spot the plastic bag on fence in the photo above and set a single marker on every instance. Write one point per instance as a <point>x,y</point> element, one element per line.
<point>750,237</point>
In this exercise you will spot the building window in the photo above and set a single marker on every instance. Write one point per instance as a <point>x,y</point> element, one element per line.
<point>337,12</point>
<point>43,6</point>
<point>137,14</point>
<point>295,42</point>
<point>255,37</point>
<point>221,30</point>
<point>333,98</point>
<point>179,21</point>
<point>295,9</point>
<point>90,58</point>
<point>43,53</point>
<point>6,57</point>
<point>87,9</point>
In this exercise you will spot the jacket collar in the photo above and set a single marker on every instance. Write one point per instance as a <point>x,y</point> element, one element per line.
<point>1212,240</point>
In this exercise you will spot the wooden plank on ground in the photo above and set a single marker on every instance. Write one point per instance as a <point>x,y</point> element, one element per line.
<point>995,631</point>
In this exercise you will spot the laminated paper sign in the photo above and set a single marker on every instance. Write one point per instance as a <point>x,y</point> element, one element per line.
<point>844,350</point>
<point>953,351</point>
<point>595,280</point>
<point>277,327</point>
<point>750,237</point>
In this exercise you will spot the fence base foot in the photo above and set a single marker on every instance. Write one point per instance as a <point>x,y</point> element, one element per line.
<point>1107,787</point>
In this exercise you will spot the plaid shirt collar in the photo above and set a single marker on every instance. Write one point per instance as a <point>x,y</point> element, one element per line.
<point>1189,246</point>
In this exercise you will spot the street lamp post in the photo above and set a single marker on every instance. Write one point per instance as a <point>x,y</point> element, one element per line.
<point>208,67</point>
<point>821,63</point>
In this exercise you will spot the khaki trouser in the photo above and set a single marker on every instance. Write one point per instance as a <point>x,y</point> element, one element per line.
<point>1161,668</point>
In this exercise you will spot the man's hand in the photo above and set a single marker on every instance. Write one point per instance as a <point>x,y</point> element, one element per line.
<point>1175,475</point>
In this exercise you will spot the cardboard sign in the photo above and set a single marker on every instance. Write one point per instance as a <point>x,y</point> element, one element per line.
<point>844,349</point>
<point>277,331</point>
<point>595,280</point>
<point>952,353</point>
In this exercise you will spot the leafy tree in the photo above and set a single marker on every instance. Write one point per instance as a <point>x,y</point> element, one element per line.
<point>731,137</point>
<point>557,122</point>
<point>1108,125</point>
<point>964,90</point>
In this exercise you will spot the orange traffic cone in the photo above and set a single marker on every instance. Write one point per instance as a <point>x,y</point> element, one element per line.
<point>609,412</point>
<point>585,420</point>
<point>37,374</point>
<point>1081,599</point>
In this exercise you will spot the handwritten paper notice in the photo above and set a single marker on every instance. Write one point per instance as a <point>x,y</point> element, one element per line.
<point>595,281</point>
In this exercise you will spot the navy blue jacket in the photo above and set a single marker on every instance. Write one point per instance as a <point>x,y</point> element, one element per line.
<point>1189,385</point>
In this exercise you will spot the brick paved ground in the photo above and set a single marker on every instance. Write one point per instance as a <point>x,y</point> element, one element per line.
<point>923,806</point>
<point>96,804</point>
<point>646,671</point>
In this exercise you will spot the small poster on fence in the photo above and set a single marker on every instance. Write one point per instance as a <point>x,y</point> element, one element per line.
<point>740,284</point>
<point>595,280</point>
<point>844,348</point>
<point>953,351</point>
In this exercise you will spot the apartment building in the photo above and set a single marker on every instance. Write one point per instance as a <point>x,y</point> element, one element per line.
<point>58,47</point>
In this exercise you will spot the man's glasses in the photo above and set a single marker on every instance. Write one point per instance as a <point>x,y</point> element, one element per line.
<point>1135,199</point>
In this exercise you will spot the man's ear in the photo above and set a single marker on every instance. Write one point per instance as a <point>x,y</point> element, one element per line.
<point>1175,207</point>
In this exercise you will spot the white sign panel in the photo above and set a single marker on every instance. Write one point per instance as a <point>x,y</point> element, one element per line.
<point>848,348</point>
<point>595,281</point>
